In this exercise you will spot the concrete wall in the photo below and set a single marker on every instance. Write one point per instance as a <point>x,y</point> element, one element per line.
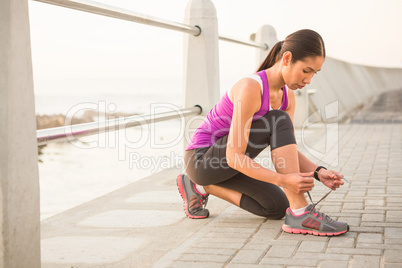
<point>351,85</point>
<point>340,87</point>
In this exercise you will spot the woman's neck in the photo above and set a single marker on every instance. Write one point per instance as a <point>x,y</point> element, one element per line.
<point>275,78</point>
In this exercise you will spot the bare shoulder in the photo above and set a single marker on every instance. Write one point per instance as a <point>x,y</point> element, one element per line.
<point>247,90</point>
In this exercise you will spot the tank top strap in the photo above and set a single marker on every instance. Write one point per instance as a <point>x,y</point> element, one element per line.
<point>285,99</point>
<point>265,91</point>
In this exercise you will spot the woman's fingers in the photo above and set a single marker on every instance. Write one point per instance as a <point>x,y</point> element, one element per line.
<point>300,183</point>
<point>306,183</point>
<point>307,174</point>
<point>308,180</point>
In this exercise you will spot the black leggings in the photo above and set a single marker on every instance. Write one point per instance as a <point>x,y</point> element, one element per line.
<point>208,165</point>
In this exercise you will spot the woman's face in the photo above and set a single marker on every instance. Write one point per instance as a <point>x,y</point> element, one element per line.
<point>299,74</point>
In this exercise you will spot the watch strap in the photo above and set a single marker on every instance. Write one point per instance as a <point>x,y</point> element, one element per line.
<point>316,172</point>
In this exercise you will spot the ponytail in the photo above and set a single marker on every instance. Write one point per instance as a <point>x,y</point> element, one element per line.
<point>302,44</point>
<point>273,56</point>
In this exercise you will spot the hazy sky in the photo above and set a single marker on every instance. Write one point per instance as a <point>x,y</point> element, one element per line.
<point>69,44</point>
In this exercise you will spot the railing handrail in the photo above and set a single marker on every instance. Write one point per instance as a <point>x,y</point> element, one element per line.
<point>123,14</point>
<point>247,43</point>
<point>128,15</point>
<point>45,136</point>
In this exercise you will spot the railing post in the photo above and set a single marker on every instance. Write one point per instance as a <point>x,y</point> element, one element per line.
<point>265,34</point>
<point>19,179</point>
<point>201,57</point>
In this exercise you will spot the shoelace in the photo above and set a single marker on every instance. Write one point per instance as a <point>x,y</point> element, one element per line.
<point>314,204</point>
<point>204,201</point>
<point>201,204</point>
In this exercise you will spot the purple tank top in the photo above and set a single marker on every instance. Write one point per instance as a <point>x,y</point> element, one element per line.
<point>218,120</point>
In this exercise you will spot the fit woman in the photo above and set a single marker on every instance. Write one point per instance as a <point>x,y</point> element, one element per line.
<point>256,113</point>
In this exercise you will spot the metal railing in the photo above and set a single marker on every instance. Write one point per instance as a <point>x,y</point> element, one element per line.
<point>128,15</point>
<point>247,43</point>
<point>44,136</point>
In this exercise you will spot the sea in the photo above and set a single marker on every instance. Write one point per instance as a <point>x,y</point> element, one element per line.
<point>80,170</point>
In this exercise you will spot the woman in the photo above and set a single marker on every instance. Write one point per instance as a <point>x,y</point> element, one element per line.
<point>256,113</point>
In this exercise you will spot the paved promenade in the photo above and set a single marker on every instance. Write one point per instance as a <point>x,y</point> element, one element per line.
<point>143,224</point>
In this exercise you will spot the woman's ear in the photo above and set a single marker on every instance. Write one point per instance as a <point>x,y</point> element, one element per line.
<point>287,58</point>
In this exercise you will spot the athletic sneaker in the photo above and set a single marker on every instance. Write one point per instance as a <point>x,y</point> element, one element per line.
<point>194,202</point>
<point>313,222</point>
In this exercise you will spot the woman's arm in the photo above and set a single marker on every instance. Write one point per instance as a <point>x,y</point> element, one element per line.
<point>330,178</point>
<point>246,97</point>
<point>305,164</point>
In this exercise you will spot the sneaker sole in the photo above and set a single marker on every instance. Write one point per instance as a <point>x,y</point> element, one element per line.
<point>303,231</point>
<point>182,192</point>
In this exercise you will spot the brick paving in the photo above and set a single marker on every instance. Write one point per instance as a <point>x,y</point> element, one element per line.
<point>113,231</point>
<point>370,157</point>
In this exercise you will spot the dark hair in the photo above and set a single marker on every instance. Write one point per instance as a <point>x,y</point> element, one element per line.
<point>302,44</point>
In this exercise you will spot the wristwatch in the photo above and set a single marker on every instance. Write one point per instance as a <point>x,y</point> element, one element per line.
<point>316,172</point>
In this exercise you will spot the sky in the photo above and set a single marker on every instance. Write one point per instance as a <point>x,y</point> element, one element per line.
<point>70,46</point>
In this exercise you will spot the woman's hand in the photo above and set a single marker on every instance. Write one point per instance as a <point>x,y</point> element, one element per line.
<point>298,182</point>
<point>330,178</point>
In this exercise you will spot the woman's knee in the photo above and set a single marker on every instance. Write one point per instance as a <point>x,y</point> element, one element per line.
<point>273,208</point>
<point>280,120</point>
<point>278,212</point>
<point>276,215</point>
<point>269,213</point>
<point>282,130</point>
